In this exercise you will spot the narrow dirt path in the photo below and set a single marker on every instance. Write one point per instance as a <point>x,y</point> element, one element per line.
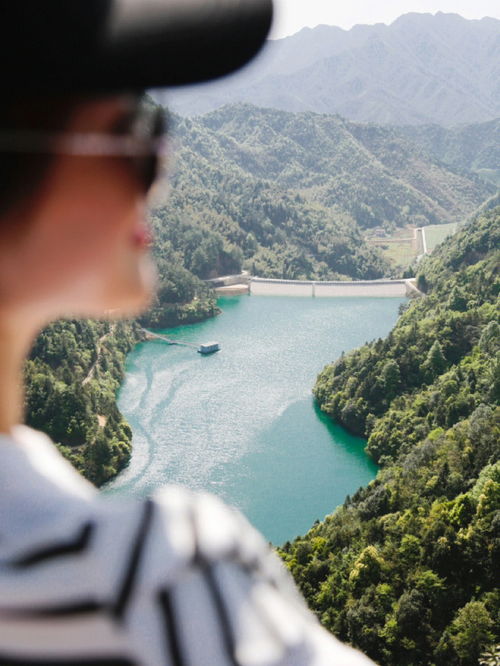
<point>90,373</point>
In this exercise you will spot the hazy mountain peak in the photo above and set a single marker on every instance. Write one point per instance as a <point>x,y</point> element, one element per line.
<point>426,17</point>
<point>423,68</point>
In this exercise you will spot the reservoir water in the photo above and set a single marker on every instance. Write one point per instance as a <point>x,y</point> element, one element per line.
<point>242,423</point>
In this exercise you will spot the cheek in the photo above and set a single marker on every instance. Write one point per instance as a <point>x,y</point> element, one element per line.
<point>82,238</point>
<point>96,206</point>
<point>88,238</point>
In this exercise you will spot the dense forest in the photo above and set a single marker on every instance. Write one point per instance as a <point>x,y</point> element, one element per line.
<point>364,175</point>
<point>221,217</point>
<point>407,569</point>
<point>72,377</point>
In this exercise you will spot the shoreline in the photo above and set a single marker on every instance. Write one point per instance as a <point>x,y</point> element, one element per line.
<point>233,290</point>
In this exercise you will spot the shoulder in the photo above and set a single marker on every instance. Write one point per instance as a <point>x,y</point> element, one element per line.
<point>223,594</point>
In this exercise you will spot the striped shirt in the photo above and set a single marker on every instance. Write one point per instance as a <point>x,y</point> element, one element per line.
<point>175,580</point>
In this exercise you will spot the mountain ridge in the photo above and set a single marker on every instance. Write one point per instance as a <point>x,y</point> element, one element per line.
<point>420,69</point>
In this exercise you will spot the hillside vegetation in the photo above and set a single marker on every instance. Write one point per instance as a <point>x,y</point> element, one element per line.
<point>228,208</point>
<point>407,569</point>
<point>291,195</point>
<point>72,377</point>
<point>471,147</point>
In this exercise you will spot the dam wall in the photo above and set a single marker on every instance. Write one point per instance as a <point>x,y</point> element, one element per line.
<point>369,288</point>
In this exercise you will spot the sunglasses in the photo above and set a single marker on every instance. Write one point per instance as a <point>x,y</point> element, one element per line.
<point>143,143</point>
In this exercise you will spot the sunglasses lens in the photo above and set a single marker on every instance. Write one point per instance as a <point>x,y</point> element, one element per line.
<point>148,166</point>
<point>149,170</point>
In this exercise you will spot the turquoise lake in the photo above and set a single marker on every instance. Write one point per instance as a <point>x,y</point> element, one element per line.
<point>242,423</point>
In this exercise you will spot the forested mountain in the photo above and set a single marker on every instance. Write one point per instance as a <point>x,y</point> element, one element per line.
<point>289,195</point>
<point>255,203</point>
<point>421,69</point>
<point>408,568</point>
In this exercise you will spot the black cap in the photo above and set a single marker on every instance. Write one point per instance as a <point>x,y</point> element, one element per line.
<point>112,45</point>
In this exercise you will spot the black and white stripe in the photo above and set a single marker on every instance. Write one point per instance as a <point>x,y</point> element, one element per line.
<point>58,549</point>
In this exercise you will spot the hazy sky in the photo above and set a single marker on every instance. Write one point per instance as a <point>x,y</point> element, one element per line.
<point>292,15</point>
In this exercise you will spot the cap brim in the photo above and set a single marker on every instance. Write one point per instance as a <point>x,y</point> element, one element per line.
<point>175,42</point>
<point>108,45</point>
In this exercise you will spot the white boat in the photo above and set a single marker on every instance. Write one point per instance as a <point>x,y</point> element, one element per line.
<point>209,348</point>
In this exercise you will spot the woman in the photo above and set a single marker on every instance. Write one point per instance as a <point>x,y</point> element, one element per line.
<point>176,579</point>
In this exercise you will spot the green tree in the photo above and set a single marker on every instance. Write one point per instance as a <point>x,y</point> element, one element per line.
<point>435,363</point>
<point>391,378</point>
<point>470,632</point>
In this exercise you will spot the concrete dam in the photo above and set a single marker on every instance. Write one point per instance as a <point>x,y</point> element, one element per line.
<point>245,283</point>
<point>387,288</point>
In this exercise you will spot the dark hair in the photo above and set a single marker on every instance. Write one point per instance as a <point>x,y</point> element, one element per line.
<point>21,174</point>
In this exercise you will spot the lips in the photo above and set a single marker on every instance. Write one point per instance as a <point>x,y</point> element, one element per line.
<point>142,237</point>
